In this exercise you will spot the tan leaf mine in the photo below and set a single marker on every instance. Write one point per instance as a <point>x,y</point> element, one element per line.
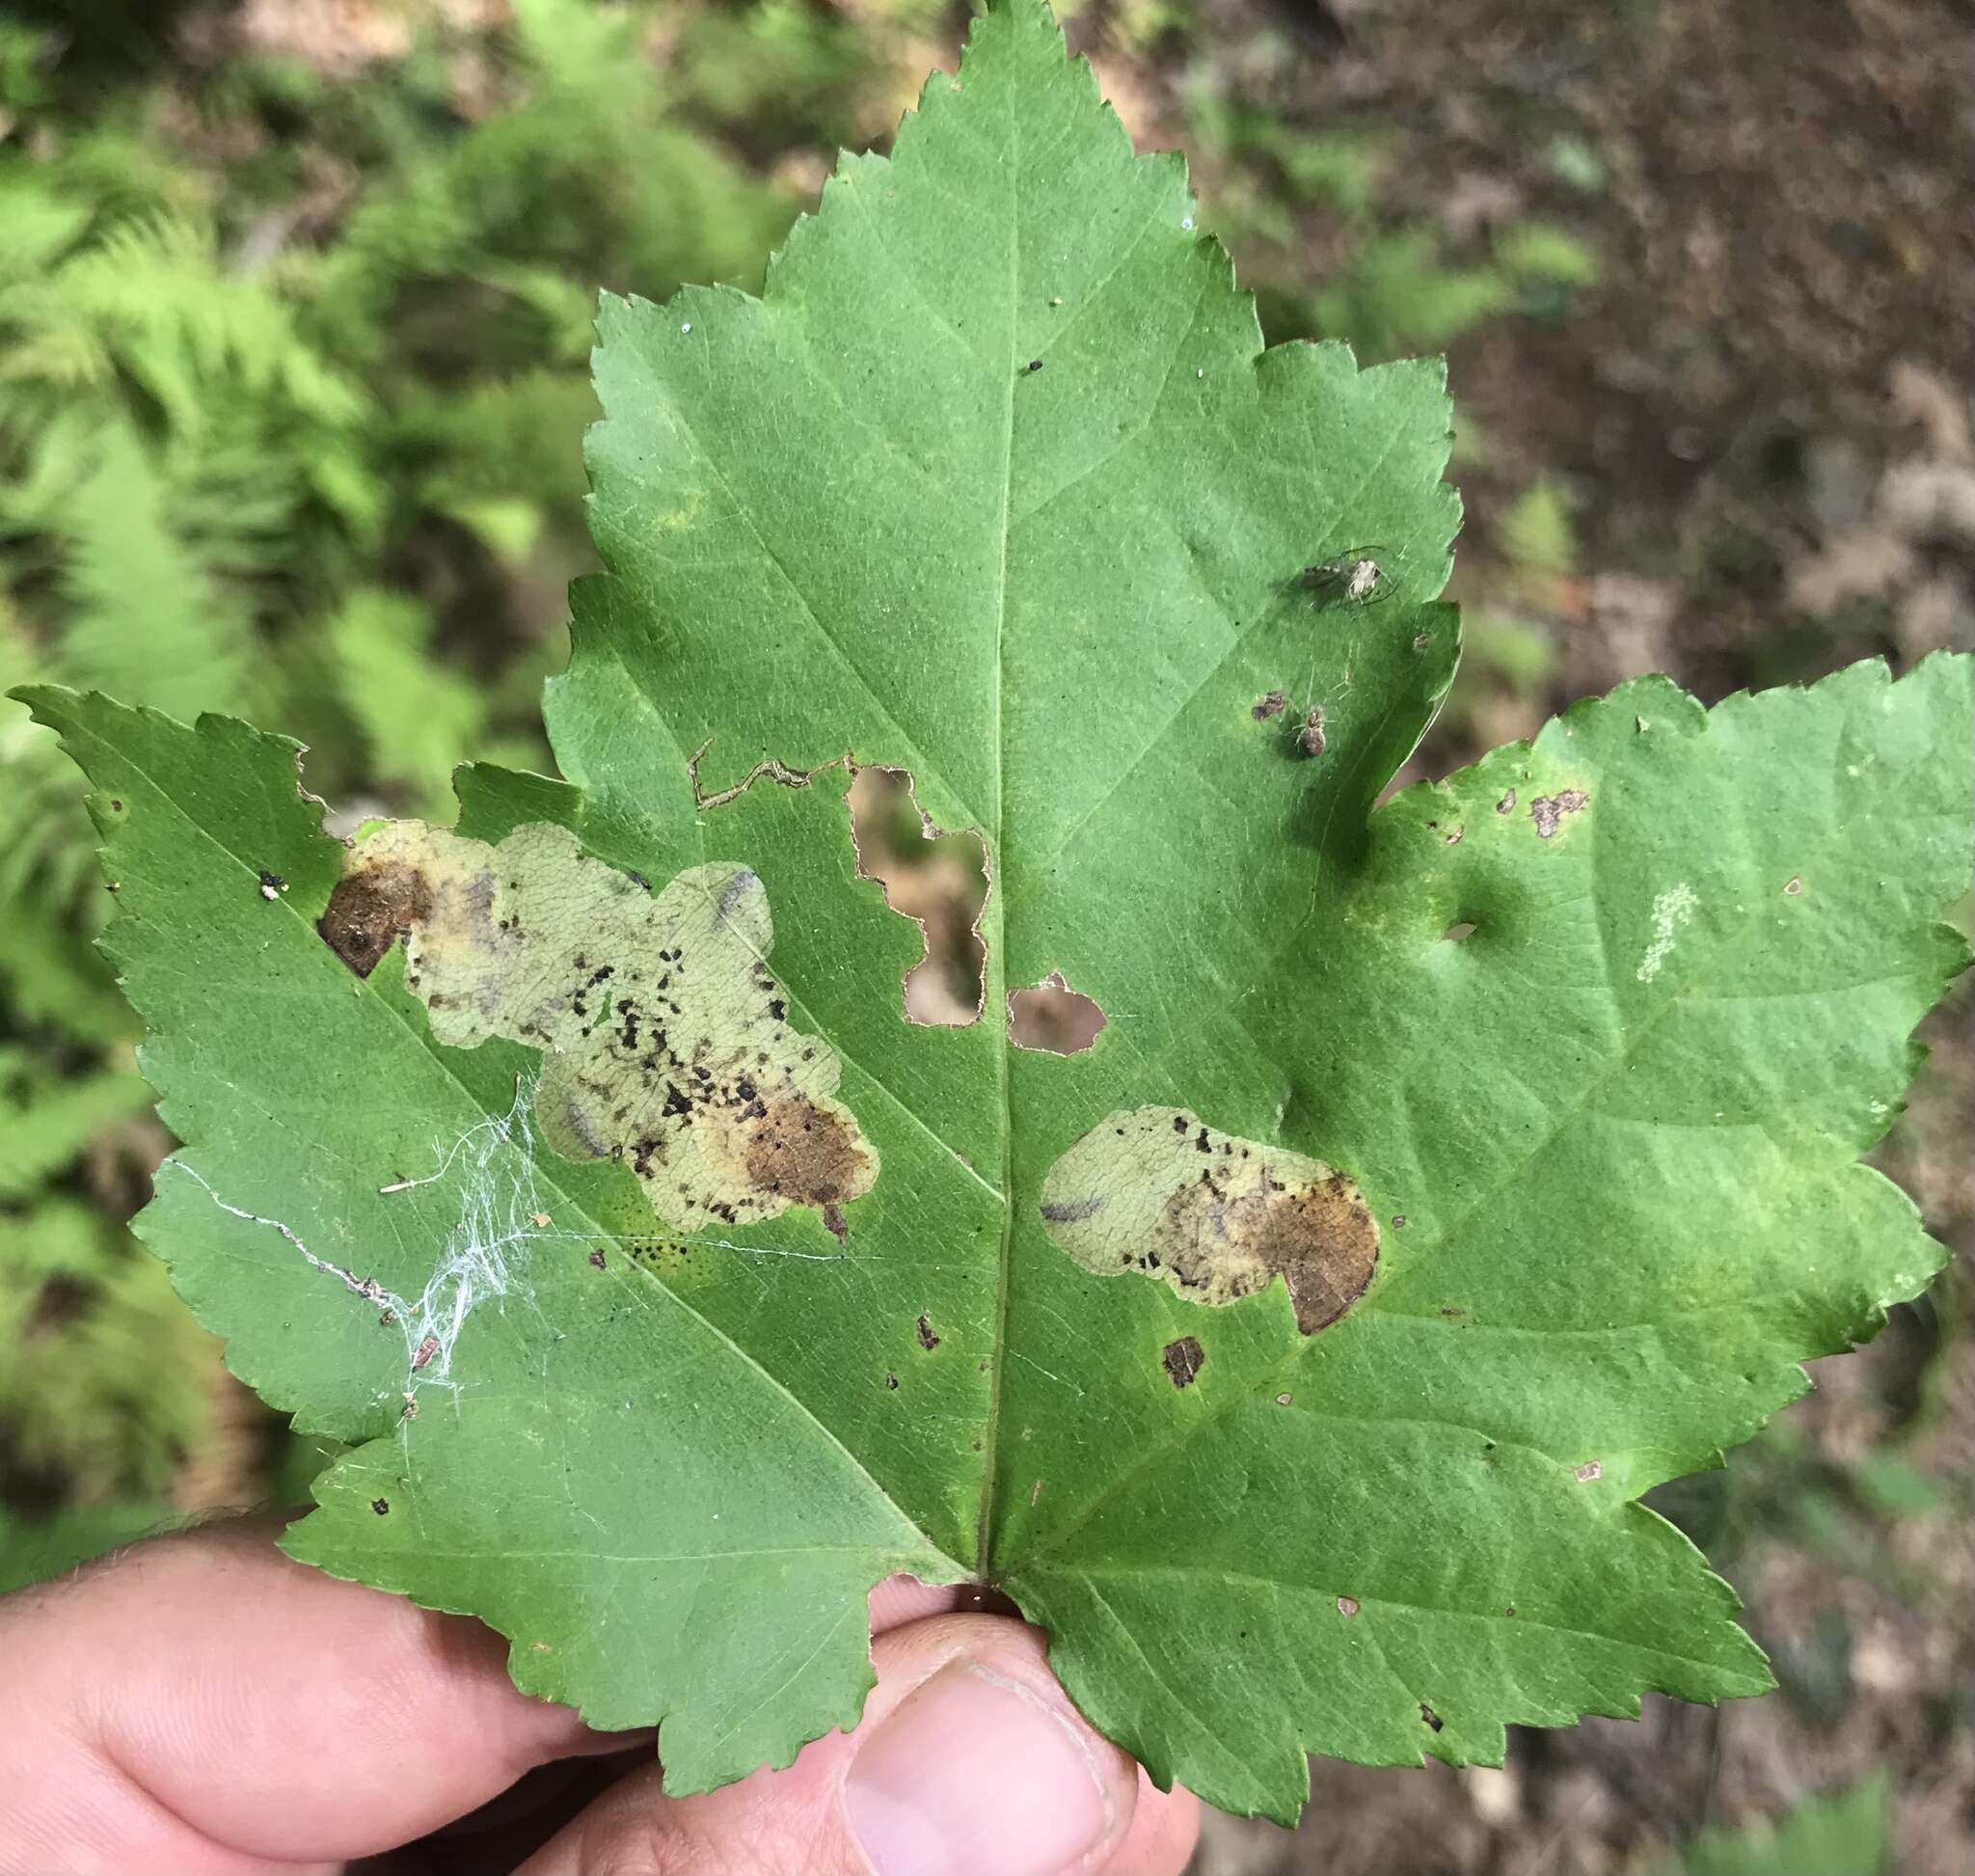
<point>1156,1190</point>
<point>664,1038</point>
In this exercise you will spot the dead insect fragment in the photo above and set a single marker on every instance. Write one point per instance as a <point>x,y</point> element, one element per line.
<point>1271,703</point>
<point>1548,810</point>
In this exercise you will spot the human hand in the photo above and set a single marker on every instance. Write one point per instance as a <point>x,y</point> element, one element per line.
<point>199,1703</point>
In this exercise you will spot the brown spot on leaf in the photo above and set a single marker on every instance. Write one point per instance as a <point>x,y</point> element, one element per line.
<point>928,1338</point>
<point>369,908</point>
<point>1548,810</point>
<point>597,1259</point>
<point>1184,1359</point>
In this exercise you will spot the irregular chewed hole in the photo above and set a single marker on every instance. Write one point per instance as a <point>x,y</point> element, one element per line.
<point>936,879</point>
<point>1052,1016</point>
<point>1462,928</point>
<point>1157,1191</point>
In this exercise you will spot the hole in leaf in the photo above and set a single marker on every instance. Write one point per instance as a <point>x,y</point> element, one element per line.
<point>1051,1017</point>
<point>937,880</point>
<point>1461,930</point>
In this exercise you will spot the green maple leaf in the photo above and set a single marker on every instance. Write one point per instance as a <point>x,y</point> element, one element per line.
<point>672,1289</point>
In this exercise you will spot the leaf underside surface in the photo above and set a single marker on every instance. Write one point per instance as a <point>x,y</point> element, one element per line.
<point>665,1319</point>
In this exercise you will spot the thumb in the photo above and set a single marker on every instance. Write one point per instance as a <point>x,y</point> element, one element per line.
<point>969,1760</point>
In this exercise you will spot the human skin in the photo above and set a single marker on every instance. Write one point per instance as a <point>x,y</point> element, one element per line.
<point>200,1702</point>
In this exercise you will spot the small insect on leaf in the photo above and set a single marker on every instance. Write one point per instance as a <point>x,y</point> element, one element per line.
<point>1352,578</point>
<point>1310,739</point>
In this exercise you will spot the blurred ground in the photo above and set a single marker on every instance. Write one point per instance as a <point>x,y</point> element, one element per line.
<point>1706,275</point>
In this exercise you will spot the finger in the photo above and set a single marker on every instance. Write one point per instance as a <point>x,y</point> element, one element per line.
<point>201,1702</point>
<point>970,1758</point>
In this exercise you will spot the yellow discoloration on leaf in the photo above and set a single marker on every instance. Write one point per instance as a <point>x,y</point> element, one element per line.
<point>1215,1217</point>
<point>664,1037</point>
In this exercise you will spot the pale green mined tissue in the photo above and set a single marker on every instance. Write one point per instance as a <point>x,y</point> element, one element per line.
<point>1553,1077</point>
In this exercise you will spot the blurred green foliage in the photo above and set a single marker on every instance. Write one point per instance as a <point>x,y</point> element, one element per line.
<point>293,377</point>
<point>1841,1833</point>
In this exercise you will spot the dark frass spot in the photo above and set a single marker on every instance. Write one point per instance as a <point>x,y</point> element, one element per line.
<point>928,1340</point>
<point>1184,1359</point>
<point>380,1506</point>
<point>1548,810</point>
<point>369,908</point>
<point>597,1259</point>
<point>891,1380</point>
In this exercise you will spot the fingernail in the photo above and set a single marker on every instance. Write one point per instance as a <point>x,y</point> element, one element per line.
<point>976,1772</point>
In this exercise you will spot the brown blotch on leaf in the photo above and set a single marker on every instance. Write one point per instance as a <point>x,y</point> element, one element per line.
<point>801,1153</point>
<point>1548,810</point>
<point>369,908</point>
<point>1270,704</point>
<point>1184,1359</point>
<point>597,1259</point>
<point>1321,1238</point>
<point>928,1338</point>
